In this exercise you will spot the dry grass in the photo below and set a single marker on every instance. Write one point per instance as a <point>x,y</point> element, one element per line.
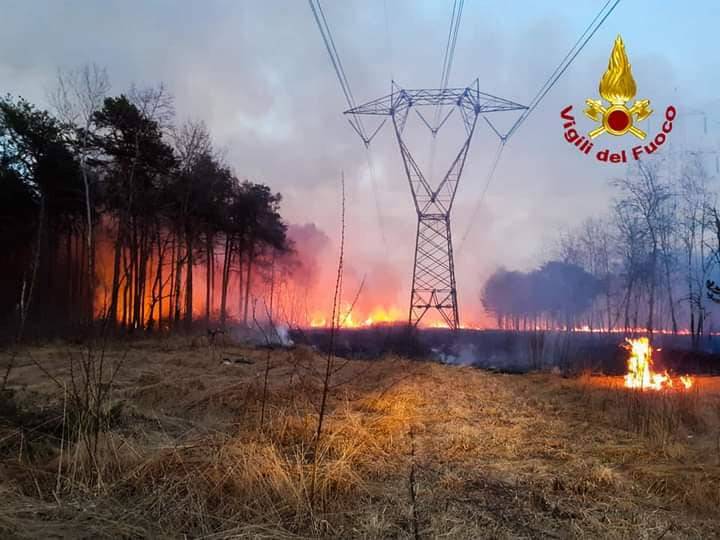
<point>410,450</point>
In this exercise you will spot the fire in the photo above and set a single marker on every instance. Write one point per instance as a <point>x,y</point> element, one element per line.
<point>640,373</point>
<point>349,318</point>
<point>356,318</point>
<point>438,324</point>
<point>318,322</point>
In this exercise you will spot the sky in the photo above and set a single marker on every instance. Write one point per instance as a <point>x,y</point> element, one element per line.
<point>258,74</point>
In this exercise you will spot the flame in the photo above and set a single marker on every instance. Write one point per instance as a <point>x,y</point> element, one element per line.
<point>617,84</point>
<point>347,318</point>
<point>355,318</point>
<point>381,315</point>
<point>318,322</point>
<point>438,324</point>
<point>640,373</point>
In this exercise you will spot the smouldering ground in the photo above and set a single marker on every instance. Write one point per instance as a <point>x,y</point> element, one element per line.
<point>410,450</point>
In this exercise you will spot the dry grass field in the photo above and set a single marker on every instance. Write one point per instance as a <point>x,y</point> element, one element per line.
<point>191,446</point>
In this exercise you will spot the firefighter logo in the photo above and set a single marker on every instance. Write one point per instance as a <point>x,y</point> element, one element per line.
<point>618,88</point>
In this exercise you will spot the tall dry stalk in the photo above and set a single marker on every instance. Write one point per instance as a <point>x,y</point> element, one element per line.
<point>330,358</point>
<point>268,346</point>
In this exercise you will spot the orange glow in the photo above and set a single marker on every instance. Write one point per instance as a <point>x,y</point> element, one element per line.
<point>350,318</point>
<point>438,324</point>
<point>318,322</point>
<point>640,369</point>
<point>378,316</point>
<point>381,315</point>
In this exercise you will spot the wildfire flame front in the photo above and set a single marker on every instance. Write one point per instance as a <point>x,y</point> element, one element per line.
<point>640,369</point>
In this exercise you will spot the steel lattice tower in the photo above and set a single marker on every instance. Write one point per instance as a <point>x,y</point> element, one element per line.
<point>433,283</point>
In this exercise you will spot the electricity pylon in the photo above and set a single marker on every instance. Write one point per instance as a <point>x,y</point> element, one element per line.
<point>433,283</point>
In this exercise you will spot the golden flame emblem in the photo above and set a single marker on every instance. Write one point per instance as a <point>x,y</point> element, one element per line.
<point>617,87</point>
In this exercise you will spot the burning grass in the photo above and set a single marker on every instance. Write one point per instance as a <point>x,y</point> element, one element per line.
<point>641,374</point>
<point>410,450</point>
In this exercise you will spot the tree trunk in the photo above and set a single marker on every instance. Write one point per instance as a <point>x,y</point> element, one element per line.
<point>224,286</point>
<point>127,302</point>
<point>700,327</point>
<point>178,277</point>
<point>272,285</point>
<point>247,280</point>
<point>627,304</point>
<point>26,301</point>
<point>210,262</point>
<point>670,297</point>
<point>693,336</point>
<point>691,292</point>
<point>112,315</point>
<point>189,280</point>
<point>651,296</point>
<point>161,257</point>
<point>88,237</point>
<point>70,296</point>
<point>241,286</point>
<point>135,264</point>
<point>171,296</point>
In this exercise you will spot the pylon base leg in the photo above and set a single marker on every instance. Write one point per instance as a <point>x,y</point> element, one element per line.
<point>433,284</point>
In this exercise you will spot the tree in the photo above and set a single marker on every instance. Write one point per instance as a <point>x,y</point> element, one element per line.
<point>694,225</point>
<point>39,169</point>
<point>507,295</point>
<point>138,161</point>
<point>643,206</point>
<point>558,292</point>
<point>596,242</point>
<point>195,166</point>
<point>106,171</point>
<point>564,292</point>
<point>78,96</point>
<point>264,229</point>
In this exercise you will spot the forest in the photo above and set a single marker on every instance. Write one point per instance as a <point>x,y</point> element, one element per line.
<point>113,212</point>
<point>648,264</point>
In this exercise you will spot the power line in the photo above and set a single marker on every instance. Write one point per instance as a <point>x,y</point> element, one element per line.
<point>449,40</point>
<point>488,178</point>
<point>569,53</point>
<point>451,56</point>
<point>324,28</point>
<point>579,45</point>
<point>444,79</point>
<point>564,65</point>
<point>449,53</point>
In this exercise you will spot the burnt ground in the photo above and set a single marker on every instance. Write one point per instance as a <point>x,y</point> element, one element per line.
<point>518,352</point>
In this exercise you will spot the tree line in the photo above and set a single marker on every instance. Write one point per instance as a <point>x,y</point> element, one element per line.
<point>552,296</point>
<point>646,265</point>
<point>110,211</point>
